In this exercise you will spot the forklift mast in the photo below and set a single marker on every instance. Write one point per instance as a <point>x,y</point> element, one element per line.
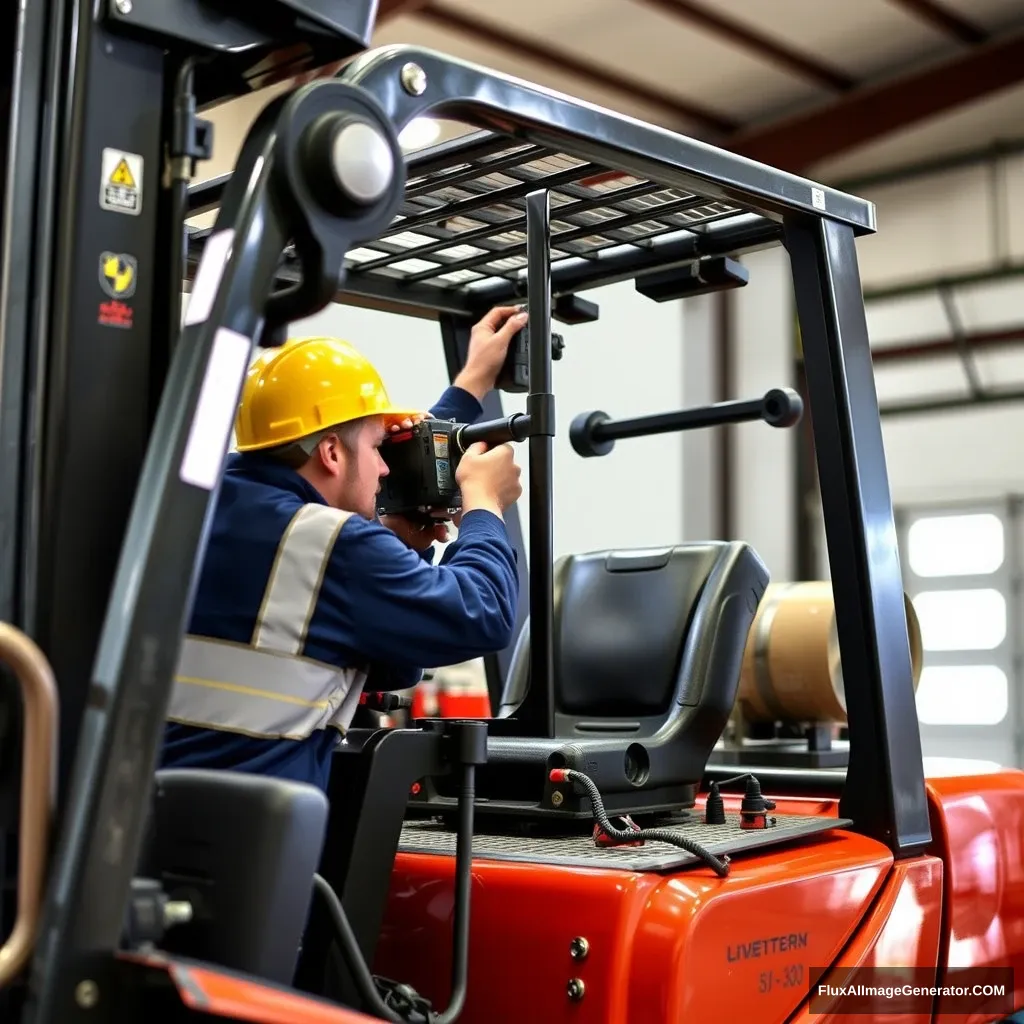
<point>114,424</point>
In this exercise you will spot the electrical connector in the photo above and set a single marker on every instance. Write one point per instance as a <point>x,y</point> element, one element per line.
<point>754,806</point>
<point>714,812</point>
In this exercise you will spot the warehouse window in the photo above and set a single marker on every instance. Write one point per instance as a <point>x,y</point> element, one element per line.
<point>959,563</point>
<point>967,545</point>
<point>963,695</point>
<point>961,620</point>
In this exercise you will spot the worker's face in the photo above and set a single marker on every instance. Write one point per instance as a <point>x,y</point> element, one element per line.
<point>357,468</point>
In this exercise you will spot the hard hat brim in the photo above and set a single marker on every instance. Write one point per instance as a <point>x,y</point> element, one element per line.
<point>395,417</point>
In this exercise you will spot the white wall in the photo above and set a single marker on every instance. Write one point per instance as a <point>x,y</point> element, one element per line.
<point>962,221</point>
<point>628,363</point>
<point>764,462</point>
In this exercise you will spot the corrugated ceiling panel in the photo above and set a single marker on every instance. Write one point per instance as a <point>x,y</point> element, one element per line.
<point>655,48</point>
<point>865,37</point>
<point>408,30</point>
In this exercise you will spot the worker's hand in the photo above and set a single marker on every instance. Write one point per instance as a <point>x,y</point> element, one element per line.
<point>408,424</point>
<point>488,346</point>
<point>418,536</point>
<point>489,479</point>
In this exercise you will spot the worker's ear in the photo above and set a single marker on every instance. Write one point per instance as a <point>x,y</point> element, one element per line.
<point>331,454</point>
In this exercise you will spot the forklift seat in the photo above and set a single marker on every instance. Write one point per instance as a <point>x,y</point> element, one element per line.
<point>648,645</point>
<point>638,633</point>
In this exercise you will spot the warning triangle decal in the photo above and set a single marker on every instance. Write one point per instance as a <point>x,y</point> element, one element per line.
<point>122,175</point>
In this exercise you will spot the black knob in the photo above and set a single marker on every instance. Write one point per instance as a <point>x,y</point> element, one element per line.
<point>581,434</point>
<point>782,407</point>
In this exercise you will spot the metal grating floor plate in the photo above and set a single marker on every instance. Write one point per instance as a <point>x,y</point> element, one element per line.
<point>579,851</point>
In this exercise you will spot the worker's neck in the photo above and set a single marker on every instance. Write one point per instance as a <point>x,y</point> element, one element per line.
<point>330,487</point>
<point>317,479</point>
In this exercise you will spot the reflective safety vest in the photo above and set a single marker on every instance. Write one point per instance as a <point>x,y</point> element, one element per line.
<point>266,688</point>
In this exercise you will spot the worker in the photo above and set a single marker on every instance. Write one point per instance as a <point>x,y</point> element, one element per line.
<point>305,599</point>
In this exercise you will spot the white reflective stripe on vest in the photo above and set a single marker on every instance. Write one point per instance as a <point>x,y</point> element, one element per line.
<point>294,586</point>
<point>228,686</point>
<point>266,688</point>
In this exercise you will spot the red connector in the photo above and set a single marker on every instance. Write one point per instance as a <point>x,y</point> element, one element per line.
<point>558,775</point>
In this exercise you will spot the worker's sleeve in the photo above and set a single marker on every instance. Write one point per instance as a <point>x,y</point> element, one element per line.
<point>384,602</point>
<point>457,404</point>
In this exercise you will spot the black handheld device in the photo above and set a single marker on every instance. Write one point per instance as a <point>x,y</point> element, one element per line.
<point>423,462</point>
<point>514,377</point>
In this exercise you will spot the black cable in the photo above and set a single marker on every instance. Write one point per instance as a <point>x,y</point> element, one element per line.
<point>720,865</point>
<point>353,955</point>
<point>364,980</point>
<point>735,778</point>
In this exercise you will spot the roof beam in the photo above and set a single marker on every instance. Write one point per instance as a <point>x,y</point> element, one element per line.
<point>873,111</point>
<point>933,347</point>
<point>525,48</point>
<point>735,33</point>
<point>952,24</point>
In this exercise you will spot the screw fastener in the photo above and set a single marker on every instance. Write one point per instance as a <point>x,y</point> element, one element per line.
<point>575,989</point>
<point>413,77</point>
<point>556,799</point>
<point>579,948</point>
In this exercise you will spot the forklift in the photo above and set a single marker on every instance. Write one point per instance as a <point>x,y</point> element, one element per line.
<point>589,852</point>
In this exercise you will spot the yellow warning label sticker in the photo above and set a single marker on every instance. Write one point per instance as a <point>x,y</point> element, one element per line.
<point>123,174</point>
<point>121,182</point>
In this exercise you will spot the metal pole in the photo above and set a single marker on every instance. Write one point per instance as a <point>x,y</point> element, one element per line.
<point>540,406</point>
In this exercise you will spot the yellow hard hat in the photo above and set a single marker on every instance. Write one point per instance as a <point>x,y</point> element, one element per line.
<point>306,386</point>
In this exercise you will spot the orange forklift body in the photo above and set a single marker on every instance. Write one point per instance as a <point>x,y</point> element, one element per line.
<point>690,946</point>
<point>662,948</point>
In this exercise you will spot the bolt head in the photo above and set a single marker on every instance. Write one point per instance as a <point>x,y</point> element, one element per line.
<point>414,79</point>
<point>363,162</point>
<point>557,798</point>
<point>87,994</point>
<point>579,948</point>
<point>123,6</point>
<point>575,990</point>
<point>177,912</point>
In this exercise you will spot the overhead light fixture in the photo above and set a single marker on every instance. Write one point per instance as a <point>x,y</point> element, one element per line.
<point>419,132</point>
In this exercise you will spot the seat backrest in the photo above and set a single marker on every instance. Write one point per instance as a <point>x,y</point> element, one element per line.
<point>638,633</point>
<point>244,849</point>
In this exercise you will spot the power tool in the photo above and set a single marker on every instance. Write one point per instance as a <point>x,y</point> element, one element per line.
<point>423,461</point>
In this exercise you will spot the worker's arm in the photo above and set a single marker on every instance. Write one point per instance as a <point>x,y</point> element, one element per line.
<point>457,404</point>
<point>393,609</point>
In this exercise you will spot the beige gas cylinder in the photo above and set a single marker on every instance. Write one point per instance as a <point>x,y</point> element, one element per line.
<point>791,668</point>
